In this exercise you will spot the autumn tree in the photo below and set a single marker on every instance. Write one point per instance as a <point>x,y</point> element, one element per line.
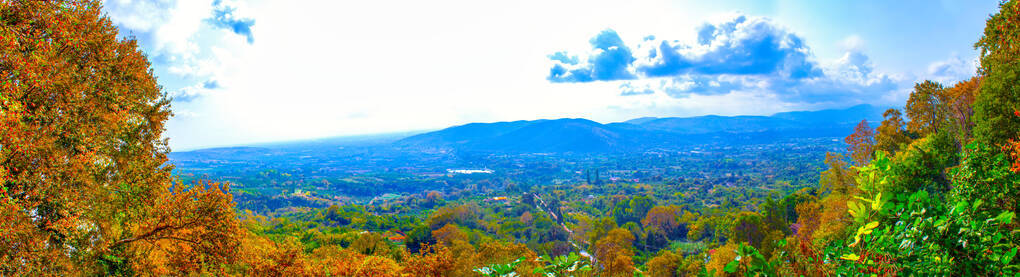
<point>432,199</point>
<point>720,257</point>
<point>463,215</point>
<point>861,144</point>
<point>334,261</point>
<point>960,108</point>
<point>665,218</point>
<point>492,252</point>
<point>84,185</point>
<point>260,256</point>
<point>999,94</point>
<point>191,230</point>
<point>892,132</point>
<point>839,177</point>
<point>370,243</point>
<point>839,182</point>
<point>615,252</point>
<point>430,261</point>
<point>926,107</point>
<point>666,264</point>
<point>448,235</point>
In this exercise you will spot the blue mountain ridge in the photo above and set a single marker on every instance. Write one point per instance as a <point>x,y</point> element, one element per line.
<point>586,136</point>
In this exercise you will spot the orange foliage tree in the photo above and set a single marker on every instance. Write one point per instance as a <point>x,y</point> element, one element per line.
<point>665,218</point>
<point>431,261</point>
<point>861,144</point>
<point>666,264</point>
<point>83,183</point>
<point>961,104</point>
<point>615,252</point>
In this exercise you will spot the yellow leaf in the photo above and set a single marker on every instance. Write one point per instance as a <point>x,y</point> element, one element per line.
<point>850,257</point>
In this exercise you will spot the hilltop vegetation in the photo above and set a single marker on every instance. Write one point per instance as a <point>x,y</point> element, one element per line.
<point>87,190</point>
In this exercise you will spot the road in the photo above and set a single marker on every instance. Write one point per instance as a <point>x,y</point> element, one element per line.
<point>542,206</point>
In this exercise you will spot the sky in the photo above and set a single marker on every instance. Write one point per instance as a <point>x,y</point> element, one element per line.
<point>244,72</point>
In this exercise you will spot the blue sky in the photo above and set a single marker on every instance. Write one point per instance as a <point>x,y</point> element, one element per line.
<point>245,72</point>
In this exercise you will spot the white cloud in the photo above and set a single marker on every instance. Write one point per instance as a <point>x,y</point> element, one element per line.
<point>952,70</point>
<point>852,43</point>
<point>330,68</point>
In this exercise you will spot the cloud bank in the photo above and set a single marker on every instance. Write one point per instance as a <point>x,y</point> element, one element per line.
<point>737,54</point>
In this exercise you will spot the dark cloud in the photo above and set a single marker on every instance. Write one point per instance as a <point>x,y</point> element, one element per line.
<point>610,60</point>
<point>223,17</point>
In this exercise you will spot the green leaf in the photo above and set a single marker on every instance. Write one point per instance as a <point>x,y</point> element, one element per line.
<point>731,267</point>
<point>1008,257</point>
<point>1005,217</point>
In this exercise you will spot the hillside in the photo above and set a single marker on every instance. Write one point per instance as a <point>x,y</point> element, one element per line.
<point>586,136</point>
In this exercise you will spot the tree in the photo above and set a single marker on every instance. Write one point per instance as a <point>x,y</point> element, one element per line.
<point>432,199</point>
<point>448,235</point>
<point>655,239</point>
<point>431,261</point>
<point>614,252</point>
<point>839,181</point>
<point>1000,68</point>
<point>926,107</point>
<point>839,178</point>
<point>664,218</point>
<point>185,231</point>
<point>332,261</point>
<point>891,133</point>
<point>961,106</point>
<point>861,144</point>
<point>666,264</point>
<point>84,185</point>
<point>748,227</point>
<point>370,243</point>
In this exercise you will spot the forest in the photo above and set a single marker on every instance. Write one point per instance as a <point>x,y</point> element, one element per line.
<point>86,187</point>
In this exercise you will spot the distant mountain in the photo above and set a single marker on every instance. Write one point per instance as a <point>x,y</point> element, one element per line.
<point>238,153</point>
<point>714,123</point>
<point>557,135</point>
<point>849,115</point>
<point>586,136</point>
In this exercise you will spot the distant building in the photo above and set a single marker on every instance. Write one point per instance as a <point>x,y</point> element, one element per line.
<point>469,171</point>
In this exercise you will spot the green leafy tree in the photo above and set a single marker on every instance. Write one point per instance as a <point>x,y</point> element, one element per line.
<point>927,108</point>
<point>892,133</point>
<point>999,97</point>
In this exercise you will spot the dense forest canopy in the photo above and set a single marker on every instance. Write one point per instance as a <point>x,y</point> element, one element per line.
<point>86,189</point>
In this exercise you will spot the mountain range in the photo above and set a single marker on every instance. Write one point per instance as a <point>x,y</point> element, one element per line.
<point>585,136</point>
<point>566,135</point>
